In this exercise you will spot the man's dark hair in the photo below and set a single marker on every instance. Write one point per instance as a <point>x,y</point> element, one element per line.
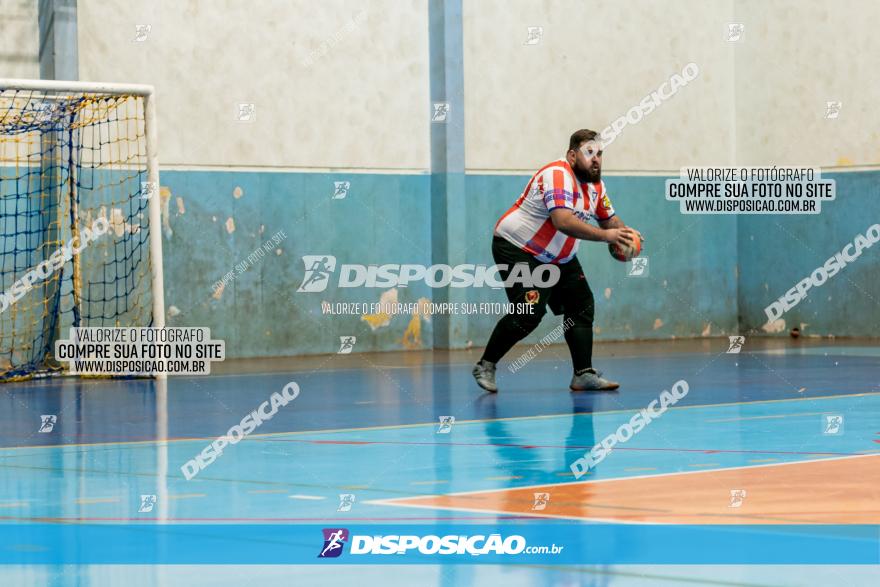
<point>580,137</point>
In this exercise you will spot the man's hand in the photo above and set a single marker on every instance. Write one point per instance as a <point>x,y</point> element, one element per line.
<point>616,222</point>
<point>623,237</point>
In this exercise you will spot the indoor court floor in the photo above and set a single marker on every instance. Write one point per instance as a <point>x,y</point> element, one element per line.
<point>755,441</point>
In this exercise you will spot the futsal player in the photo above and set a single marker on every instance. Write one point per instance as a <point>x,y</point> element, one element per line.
<point>545,225</point>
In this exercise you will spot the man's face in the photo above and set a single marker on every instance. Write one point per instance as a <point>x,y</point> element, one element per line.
<point>587,163</point>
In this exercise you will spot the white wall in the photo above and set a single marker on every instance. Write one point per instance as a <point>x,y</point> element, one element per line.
<point>596,60</point>
<point>363,103</point>
<point>795,57</point>
<point>758,101</point>
<point>19,39</point>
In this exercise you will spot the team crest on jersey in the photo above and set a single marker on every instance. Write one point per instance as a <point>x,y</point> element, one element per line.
<point>533,296</point>
<point>606,202</point>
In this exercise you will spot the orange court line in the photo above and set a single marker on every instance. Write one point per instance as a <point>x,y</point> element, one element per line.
<point>830,491</point>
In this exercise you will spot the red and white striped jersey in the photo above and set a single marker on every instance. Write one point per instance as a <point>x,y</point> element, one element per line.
<point>527,223</point>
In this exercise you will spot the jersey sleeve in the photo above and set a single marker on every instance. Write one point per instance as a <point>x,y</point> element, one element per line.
<point>604,209</point>
<point>557,189</point>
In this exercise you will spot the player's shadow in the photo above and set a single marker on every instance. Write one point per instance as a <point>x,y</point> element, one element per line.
<point>538,452</point>
<point>532,452</point>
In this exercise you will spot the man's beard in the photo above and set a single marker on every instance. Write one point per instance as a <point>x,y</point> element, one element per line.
<point>588,175</point>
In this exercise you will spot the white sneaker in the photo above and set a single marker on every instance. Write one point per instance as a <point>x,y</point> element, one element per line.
<point>484,373</point>
<point>591,380</point>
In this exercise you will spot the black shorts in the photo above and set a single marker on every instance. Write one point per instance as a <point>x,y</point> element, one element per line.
<point>570,295</point>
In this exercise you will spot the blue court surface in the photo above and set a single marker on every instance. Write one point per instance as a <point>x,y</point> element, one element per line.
<point>340,197</point>
<point>363,445</point>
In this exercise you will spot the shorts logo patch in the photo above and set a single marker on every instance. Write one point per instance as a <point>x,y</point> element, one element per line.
<point>533,296</point>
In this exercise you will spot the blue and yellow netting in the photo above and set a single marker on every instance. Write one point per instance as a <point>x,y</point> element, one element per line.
<point>67,160</point>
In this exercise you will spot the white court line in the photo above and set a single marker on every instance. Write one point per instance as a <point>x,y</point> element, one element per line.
<point>270,435</point>
<point>392,501</point>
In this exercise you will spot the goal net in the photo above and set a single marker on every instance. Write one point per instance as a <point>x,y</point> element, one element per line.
<point>79,216</point>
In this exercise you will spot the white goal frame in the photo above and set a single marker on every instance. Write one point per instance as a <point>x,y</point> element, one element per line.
<point>152,145</point>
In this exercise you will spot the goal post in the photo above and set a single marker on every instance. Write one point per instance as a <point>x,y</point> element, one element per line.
<point>80,216</point>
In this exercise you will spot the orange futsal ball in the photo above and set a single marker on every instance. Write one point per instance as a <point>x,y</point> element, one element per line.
<point>625,254</point>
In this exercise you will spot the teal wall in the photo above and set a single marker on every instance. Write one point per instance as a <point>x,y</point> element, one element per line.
<point>387,219</point>
<point>384,219</point>
<point>776,252</point>
<point>708,274</point>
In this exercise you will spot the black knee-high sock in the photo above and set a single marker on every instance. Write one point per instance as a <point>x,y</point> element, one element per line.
<point>579,337</point>
<point>509,331</point>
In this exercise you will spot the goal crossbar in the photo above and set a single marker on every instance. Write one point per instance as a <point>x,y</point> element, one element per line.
<point>49,91</point>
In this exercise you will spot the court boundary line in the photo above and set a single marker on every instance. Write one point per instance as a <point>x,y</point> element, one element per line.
<point>422,424</point>
<point>609,520</point>
<point>391,501</point>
